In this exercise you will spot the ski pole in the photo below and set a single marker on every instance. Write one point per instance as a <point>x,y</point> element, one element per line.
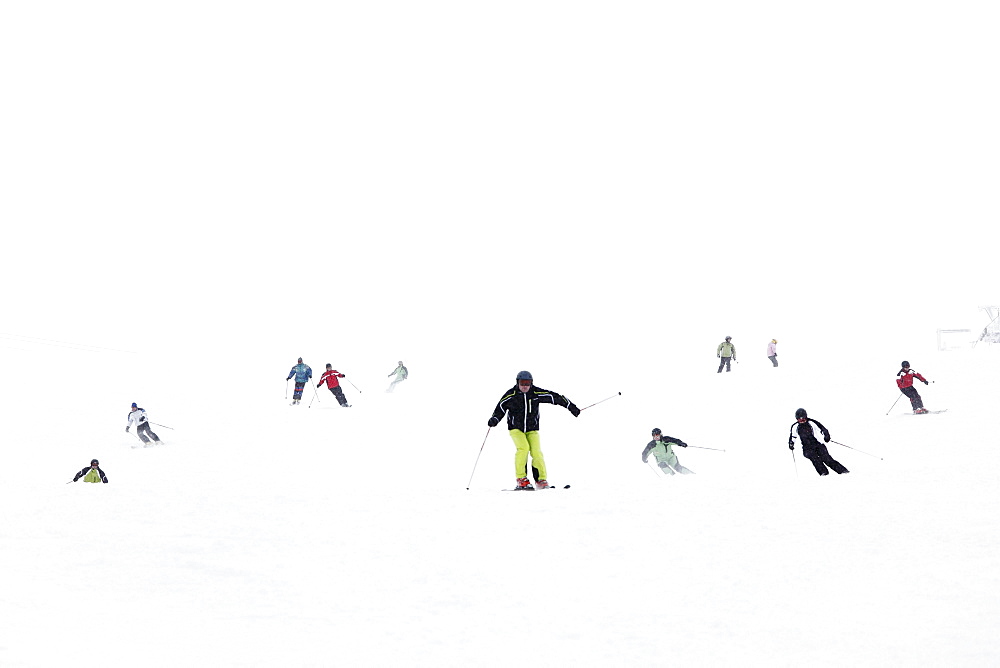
<point>478,456</point>
<point>861,451</point>
<point>315,396</point>
<point>353,385</point>
<point>161,425</point>
<point>653,470</point>
<point>600,402</point>
<point>704,448</point>
<point>286,389</point>
<point>893,404</point>
<point>795,464</point>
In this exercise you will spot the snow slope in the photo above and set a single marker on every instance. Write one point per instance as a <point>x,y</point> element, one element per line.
<point>264,534</point>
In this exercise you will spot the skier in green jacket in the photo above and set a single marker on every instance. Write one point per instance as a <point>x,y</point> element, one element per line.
<point>725,352</point>
<point>92,473</point>
<point>400,373</point>
<point>662,450</point>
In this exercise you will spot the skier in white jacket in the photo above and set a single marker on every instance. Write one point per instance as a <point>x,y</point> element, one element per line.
<point>137,418</point>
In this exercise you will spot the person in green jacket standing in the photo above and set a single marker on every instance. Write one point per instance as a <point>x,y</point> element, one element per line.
<point>725,352</point>
<point>661,447</point>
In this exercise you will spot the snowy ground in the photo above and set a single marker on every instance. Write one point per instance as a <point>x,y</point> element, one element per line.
<point>264,534</point>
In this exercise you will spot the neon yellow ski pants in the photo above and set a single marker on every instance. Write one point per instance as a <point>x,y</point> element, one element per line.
<point>525,443</point>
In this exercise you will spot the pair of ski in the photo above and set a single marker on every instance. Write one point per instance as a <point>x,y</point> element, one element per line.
<point>532,489</point>
<point>928,412</point>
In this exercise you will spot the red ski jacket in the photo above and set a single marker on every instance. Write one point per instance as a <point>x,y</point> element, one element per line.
<point>905,378</point>
<point>331,378</point>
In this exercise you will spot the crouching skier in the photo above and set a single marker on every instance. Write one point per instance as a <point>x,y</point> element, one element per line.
<point>812,449</point>
<point>92,473</point>
<point>662,450</point>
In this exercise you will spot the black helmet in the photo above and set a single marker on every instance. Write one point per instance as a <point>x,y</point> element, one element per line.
<point>905,364</point>
<point>524,375</point>
<point>801,413</point>
<point>300,360</point>
<point>656,430</point>
<point>329,366</point>
<point>94,462</point>
<point>728,338</point>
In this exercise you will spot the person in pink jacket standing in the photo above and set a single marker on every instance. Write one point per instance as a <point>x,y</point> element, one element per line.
<point>772,351</point>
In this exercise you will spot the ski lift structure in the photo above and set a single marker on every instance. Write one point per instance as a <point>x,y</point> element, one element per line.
<point>991,332</point>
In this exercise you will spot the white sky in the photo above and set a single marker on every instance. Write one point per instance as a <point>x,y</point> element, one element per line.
<point>435,176</point>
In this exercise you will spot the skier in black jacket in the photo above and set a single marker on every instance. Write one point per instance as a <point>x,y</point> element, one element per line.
<point>521,404</point>
<point>812,448</point>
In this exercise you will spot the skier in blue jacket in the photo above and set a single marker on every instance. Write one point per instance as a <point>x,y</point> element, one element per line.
<point>303,373</point>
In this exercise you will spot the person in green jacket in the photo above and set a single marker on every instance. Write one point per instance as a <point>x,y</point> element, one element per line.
<point>400,374</point>
<point>662,450</point>
<point>725,352</point>
<point>92,473</point>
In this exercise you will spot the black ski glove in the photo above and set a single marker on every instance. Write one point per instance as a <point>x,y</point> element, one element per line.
<point>926,383</point>
<point>318,384</point>
<point>682,444</point>
<point>126,429</point>
<point>492,422</point>
<point>574,410</point>
<point>791,447</point>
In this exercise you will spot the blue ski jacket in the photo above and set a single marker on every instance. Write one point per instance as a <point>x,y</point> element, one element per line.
<point>302,373</point>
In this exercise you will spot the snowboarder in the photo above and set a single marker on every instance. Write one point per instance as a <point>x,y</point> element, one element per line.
<point>662,449</point>
<point>812,448</point>
<point>725,352</point>
<point>772,351</point>
<point>330,377</point>
<point>521,404</point>
<point>400,374</point>
<point>137,418</point>
<point>303,373</point>
<point>904,379</point>
<point>92,473</point>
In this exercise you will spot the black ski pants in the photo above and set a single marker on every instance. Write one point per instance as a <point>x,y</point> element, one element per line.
<point>914,396</point>
<point>339,393</point>
<point>724,362</point>
<point>820,457</point>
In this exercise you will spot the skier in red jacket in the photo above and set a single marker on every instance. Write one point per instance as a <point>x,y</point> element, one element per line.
<point>904,379</point>
<point>330,378</point>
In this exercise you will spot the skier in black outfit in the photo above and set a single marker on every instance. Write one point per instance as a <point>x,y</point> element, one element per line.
<point>812,449</point>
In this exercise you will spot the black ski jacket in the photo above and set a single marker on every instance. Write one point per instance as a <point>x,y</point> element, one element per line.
<point>522,407</point>
<point>86,470</point>
<point>806,434</point>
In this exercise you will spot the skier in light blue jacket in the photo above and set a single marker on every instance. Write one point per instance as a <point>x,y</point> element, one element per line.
<point>303,373</point>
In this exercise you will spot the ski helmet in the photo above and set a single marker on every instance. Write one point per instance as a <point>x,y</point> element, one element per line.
<point>656,430</point>
<point>524,375</point>
<point>800,414</point>
<point>906,364</point>
<point>94,462</point>
<point>135,405</point>
<point>729,338</point>
<point>329,366</point>
<point>300,360</point>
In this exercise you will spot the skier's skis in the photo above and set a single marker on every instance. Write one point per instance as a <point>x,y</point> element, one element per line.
<point>943,410</point>
<point>532,489</point>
